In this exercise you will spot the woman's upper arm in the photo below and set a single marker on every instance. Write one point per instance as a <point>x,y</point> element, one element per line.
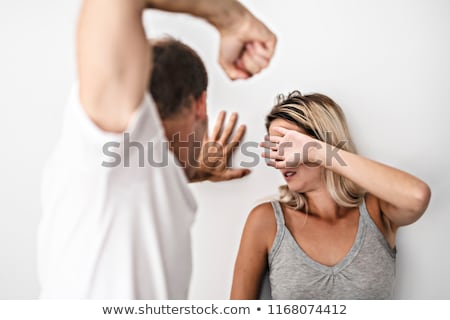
<point>251,262</point>
<point>375,209</point>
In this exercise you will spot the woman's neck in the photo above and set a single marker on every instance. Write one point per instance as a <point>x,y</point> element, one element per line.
<point>322,205</point>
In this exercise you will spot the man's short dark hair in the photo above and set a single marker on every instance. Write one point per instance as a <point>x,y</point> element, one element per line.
<point>178,76</point>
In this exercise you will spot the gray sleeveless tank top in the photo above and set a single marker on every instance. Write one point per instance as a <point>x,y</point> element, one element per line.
<point>366,272</point>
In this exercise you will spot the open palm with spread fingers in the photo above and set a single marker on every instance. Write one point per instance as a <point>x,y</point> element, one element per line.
<point>217,150</point>
<point>290,148</point>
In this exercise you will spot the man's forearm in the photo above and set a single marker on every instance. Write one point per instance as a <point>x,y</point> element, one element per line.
<point>218,13</point>
<point>114,58</point>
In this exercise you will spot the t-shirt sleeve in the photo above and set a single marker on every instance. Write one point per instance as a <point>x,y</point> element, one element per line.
<point>87,140</point>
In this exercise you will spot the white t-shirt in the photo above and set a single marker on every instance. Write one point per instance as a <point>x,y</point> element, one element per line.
<point>118,232</point>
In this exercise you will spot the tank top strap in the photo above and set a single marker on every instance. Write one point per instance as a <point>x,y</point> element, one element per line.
<point>278,213</point>
<point>363,211</point>
<point>280,229</point>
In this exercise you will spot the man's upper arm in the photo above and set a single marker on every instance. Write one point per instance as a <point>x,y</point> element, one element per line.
<point>114,62</point>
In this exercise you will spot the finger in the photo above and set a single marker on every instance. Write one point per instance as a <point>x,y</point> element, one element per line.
<point>246,65</point>
<point>269,43</point>
<point>277,164</point>
<point>228,128</point>
<point>273,138</point>
<point>253,63</point>
<point>239,134</point>
<point>250,61</point>
<point>259,49</point>
<point>266,37</point>
<point>281,130</point>
<point>249,65</point>
<point>218,126</point>
<point>234,143</point>
<point>255,48</point>
<point>269,145</point>
<point>233,71</point>
<point>260,62</point>
<point>257,52</point>
<point>206,135</point>
<point>240,64</point>
<point>273,155</point>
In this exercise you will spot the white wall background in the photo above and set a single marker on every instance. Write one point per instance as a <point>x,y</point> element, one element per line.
<point>386,62</point>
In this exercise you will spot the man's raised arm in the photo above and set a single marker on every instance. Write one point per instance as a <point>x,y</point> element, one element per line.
<point>113,53</point>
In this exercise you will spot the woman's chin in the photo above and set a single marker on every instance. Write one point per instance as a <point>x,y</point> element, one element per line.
<point>295,186</point>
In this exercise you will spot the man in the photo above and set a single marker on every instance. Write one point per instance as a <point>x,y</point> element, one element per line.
<point>123,231</point>
<point>178,86</point>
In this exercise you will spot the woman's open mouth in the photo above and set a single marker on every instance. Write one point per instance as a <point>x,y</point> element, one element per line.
<point>289,174</point>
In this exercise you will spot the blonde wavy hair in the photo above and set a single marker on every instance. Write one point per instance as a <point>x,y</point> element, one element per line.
<point>321,118</point>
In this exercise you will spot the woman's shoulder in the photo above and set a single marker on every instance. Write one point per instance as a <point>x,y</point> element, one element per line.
<point>261,221</point>
<point>262,212</point>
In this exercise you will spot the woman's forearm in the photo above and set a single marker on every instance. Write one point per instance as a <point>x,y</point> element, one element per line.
<point>407,195</point>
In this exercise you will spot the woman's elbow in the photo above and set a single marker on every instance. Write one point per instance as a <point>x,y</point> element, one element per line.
<point>422,196</point>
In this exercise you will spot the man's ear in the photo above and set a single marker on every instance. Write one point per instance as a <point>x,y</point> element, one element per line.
<point>201,112</point>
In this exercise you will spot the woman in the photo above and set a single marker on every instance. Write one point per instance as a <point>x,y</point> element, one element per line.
<point>332,233</point>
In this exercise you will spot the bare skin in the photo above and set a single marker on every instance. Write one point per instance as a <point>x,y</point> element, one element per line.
<point>216,148</point>
<point>394,199</point>
<point>113,54</point>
